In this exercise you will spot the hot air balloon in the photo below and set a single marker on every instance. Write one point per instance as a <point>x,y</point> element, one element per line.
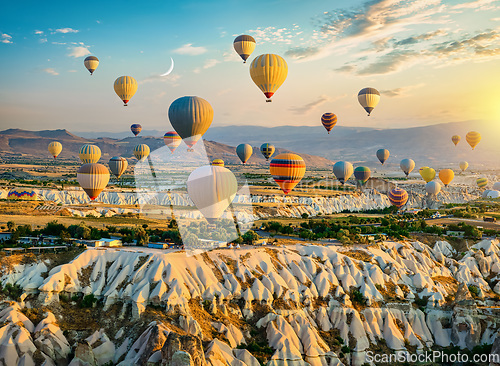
<point>268,72</point>
<point>244,152</point>
<point>91,63</point>
<point>463,165</point>
<point>118,165</point>
<point>287,170</point>
<point>20,193</point>
<point>496,186</point>
<point>93,178</point>
<point>383,155</point>
<point>55,148</point>
<point>407,166</point>
<point>432,188</point>
<point>329,120</point>
<point>342,171</point>
<point>362,174</point>
<point>218,162</point>
<point>190,117</point>
<point>267,150</point>
<point>244,46</point>
<point>89,154</point>
<point>212,189</point>
<point>427,173</point>
<point>398,197</point>
<point>493,194</point>
<point>482,182</point>
<point>125,88</point>
<point>172,140</point>
<point>473,138</point>
<point>136,129</point>
<point>141,151</point>
<point>455,139</point>
<point>446,176</point>
<point>368,98</point>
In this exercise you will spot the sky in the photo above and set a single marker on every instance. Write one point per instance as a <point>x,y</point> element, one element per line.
<point>433,61</point>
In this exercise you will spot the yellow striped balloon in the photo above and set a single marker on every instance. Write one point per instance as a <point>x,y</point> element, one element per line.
<point>267,150</point>
<point>218,162</point>
<point>172,140</point>
<point>125,88</point>
<point>287,170</point>
<point>91,63</point>
<point>93,178</point>
<point>89,154</point>
<point>268,72</point>
<point>473,138</point>
<point>398,197</point>
<point>329,120</point>
<point>244,46</point>
<point>446,176</point>
<point>455,139</point>
<point>482,182</point>
<point>55,148</point>
<point>368,98</point>
<point>141,151</point>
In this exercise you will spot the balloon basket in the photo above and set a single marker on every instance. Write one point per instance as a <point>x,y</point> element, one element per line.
<point>268,100</point>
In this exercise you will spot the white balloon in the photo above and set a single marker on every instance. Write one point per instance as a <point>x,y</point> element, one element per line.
<point>496,186</point>
<point>493,194</point>
<point>433,188</point>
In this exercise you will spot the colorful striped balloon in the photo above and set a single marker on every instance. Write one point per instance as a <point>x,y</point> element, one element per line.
<point>329,120</point>
<point>118,165</point>
<point>382,155</point>
<point>267,150</point>
<point>91,63</point>
<point>172,140</point>
<point>362,174</point>
<point>244,46</point>
<point>22,194</point>
<point>473,138</point>
<point>218,162</point>
<point>93,178</point>
<point>141,151</point>
<point>482,182</point>
<point>398,197</point>
<point>287,170</point>
<point>368,98</point>
<point>136,129</point>
<point>89,154</point>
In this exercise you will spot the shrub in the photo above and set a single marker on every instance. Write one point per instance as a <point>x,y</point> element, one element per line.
<point>88,301</point>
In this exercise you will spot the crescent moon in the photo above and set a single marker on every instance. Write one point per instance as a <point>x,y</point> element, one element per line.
<point>171,68</point>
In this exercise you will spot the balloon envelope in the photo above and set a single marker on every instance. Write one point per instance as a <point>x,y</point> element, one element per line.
<point>496,186</point>
<point>136,129</point>
<point>125,88</point>
<point>93,178</point>
<point>141,151</point>
<point>287,170</point>
<point>342,171</point>
<point>382,155</point>
<point>427,173</point>
<point>91,63</point>
<point>244,152</point>
<point>117,165</point>
<point>268,72</point>
<point>190,117</point>
<point>493,194</point>
<point>398,197</point>
<point>244,46</point>
<point>55,148</point>
<point>267,150</point>
<point>463,165</point>
<point>368,98</point>
<point>172,140</point>
<point>455,139</point>
<point>218,162</point>
<point>329,120</point>
<point>482,182</point>
<point>407,165</point>
<point>473,138</point>
<point>362,174</point>
<point>89,154</point>
<point>212,189</point>
<point>20,193</point>
<point>432,188</point>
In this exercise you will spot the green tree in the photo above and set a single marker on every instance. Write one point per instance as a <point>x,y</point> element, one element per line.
<point>250,236</point>
<point>11,225</point>
<point>141,237</point>
<point>64,235</point>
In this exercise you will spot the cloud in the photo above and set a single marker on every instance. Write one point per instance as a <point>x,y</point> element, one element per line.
<point>207,65</point>
<point>419,38</point>
<point>171,79</point>
<point>79,51</point>
<point>66,30</point>
<point>389,63</point>
<point>50,71</point>
<point>301,52</point>
<point>346,69</point>
<point>38,32</point>
<point>479,44</point>
<point>5,38</point>
<point>477,5</point>
<point>401,92</point>
<point>189,50</point>
<point>274,35</point>
<point>310,106</point>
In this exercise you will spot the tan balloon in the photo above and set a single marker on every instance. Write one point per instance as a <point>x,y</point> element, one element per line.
<point>93,178</point>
